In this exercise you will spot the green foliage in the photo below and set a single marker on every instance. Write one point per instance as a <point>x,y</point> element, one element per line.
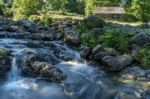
<point>1,2</point>
<point>93,22</point>
<point>46,20</point>
<point>88,39</point>
<point>140,9</point>
<point>7,12</point>
<point>72,6</point>
<point>75,6</point>
<point>53,5</point>
<point>143,55</point>
<point>117,39</point>
<point>25,8</point>
<point>89,7</point>
<point>107,2</point>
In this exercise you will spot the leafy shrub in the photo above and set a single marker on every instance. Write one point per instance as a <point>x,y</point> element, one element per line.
<point>93,22</point>
<point>119,40</point>
<point>88,39</point>
<point>89,7</point>
<point>143,55</point>
<point>7,12</point>
<point>24,8</point>
<point>46,20</point>
<point>1,2</point>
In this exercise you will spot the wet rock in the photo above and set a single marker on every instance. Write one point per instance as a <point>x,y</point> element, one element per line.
<point>99,56</point>
<point>122,95</point>
<point>135,73</point>
<point>43,28</point>
<point>85,51</point>
<point>38,63</point>
<point>14,35</point>
<point>28,56</point>
<point>47,71</point>
<point>129,92</point>
<point>42,36</point>
<point>112,51</point>
<point>147,94</point>
<point>28,26</point>
<point>26,23</point>
<point>59,35</point>
<point>141,39</point>
<point>97,49</point>
<point>71,37</point>
<point>117,63</point>
<point>13,28</point>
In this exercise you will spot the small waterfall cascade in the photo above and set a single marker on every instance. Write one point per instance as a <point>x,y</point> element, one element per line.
<point>14,74</point>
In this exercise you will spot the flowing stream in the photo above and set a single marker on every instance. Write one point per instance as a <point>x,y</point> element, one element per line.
<point>83,81</point>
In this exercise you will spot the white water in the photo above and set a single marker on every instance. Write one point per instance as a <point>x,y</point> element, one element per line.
<point>83,81</point>
<point>14,73</point>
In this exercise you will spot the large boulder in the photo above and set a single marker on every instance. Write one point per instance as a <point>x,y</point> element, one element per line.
<point>85,51</point>
<point>71,37</point>
<point>39,63</point>
<point>99,53</point>
<point>26,23</point>
<point>141,39</point>
<point>47,71</point>
<point>29,26</point>
<point>117,63</point>
<point>13,28</point>
<point>97,49</point>
<point>99,56</point>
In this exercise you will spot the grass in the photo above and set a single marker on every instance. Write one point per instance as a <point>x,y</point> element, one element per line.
<point>56,15</point>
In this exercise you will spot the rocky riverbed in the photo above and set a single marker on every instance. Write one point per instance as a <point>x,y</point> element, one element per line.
<point>43,62</point>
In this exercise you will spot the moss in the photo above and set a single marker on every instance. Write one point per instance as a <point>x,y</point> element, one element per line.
<point>3,54</point>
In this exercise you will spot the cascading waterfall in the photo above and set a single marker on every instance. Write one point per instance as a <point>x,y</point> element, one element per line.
<point>14,74</point>
<point>82,82</point>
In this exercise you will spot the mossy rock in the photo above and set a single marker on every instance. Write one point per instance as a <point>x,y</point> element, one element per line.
<point>93,22</point>
<point>3,54</point>
<point>143,56</point>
